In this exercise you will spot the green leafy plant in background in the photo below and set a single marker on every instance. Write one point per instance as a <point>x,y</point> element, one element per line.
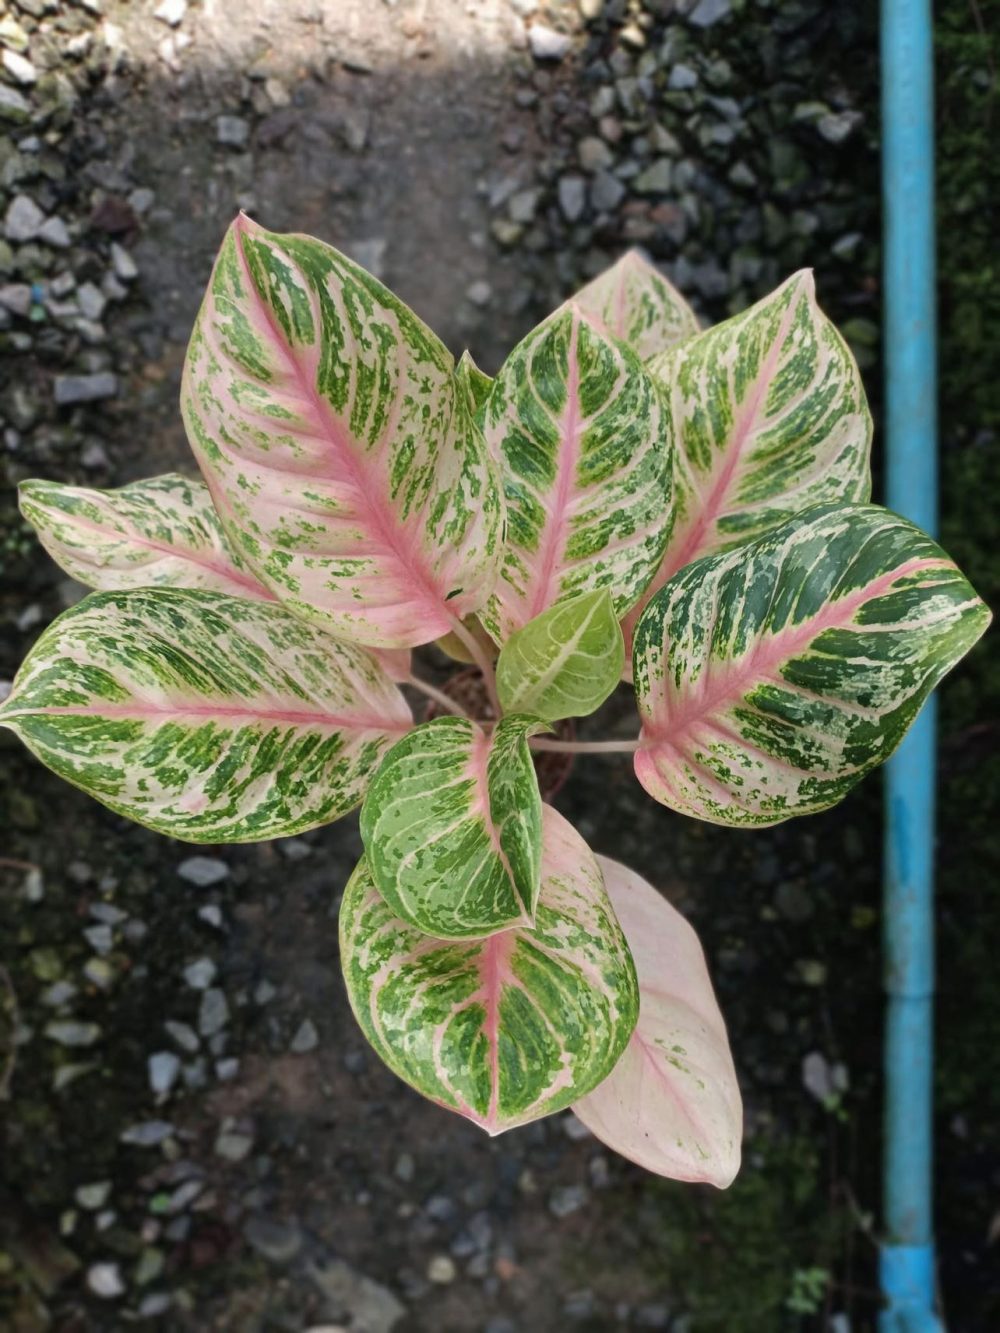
<point>630,499</point>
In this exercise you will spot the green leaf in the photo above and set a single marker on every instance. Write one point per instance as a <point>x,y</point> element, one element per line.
<point>473,381</point>
<point>579,427</point>
<point>161,532</point>
<point>338,445</point>
<point>206,717</point>
<point>768,414</point>
<point>506,1029</point>
<point>452,827</point>
<point>634,302</point>
<point>773,677</point>
<point>565,662</point>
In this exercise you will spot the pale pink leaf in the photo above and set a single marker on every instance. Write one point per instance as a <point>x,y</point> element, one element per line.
<point>672,1103</point>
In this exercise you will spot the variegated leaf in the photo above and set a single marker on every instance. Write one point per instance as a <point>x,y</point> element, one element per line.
<point>769,417</point>
<point>634,302</point>
<point>338,445</point>
<point>161,532</point>
<point>579,428</point>
<point>565,662</point>
<point>672,1103</point>
<point>773,677</point>
<point>452,827</point>
<point>506,1029</point>
<point>474,382</point>
<point>206,717</point>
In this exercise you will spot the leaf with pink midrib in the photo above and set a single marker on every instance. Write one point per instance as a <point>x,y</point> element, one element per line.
<point>771,678</point>
<point>634,302</point>
<point>339,448</point>
<point>672,1103</point>
<point>769,418</point>
<point>578,427</point>
<point>506,1029</point>
<point>160,532</point>
<point>205,717</point>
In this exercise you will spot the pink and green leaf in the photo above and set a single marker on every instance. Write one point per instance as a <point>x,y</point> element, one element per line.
<point>672,1103</point>
<point>452,827</point>
<point>768,417</point>
<point>506,1029</point>
<point>205,717</point>
<point>162,532</point>
<point>773,677</point>
<point>578,426</point>
<point>338,444</point>
<point>632,301</point>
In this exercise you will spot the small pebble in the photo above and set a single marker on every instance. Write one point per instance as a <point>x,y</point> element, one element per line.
<point>442,1270</point>
<point>203,871</point>
<point>567,1199</point>
<point>164,1068</point>
<point>547,44</point>
<point>70,389</point>
<point>185,1036</point>
<point>70,1033</point>
<point>306,1038</point>
<point>93,1196</point>
<point>147,1134</point>
<point>232,131</point>
<point>105,1280</point>
<point>213,1014</point>
<point>200,974</point>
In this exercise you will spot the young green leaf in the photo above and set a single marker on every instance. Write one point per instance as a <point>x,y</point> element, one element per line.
<point>452,827</point>
<point>565,662</point>
<point>769,417</point>
<point>579,428</point>
<point>634,302</point>
<point>773,677</point>
<point>339,448</point>
<point>206,717</point>
<point>473,381</point>
<point>672,1103</point>
<point>505,1029</point>
<point>161,532</point>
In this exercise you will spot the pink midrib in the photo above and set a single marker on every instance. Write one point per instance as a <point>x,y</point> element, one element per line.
<point>291,715</point>
<point>683,553</point>
<point>224,570</point>
<point>495,970</point>
<point>558,520</point>
<point>656,1059</point>
<point>764,660</point>
<point>377,512</point>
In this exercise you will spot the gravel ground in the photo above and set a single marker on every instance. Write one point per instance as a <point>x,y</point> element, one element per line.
<point>194,1134</point>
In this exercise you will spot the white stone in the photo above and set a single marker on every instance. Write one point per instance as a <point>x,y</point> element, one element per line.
<point>547,44</point>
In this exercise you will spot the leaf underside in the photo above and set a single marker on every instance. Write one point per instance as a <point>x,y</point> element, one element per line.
<point>506,1029</point>
<point>672,1103</point>
<point>770,679</point>
<point>205,717</point>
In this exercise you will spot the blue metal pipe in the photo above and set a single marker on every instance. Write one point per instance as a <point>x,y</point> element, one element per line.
<point>907,1254</point>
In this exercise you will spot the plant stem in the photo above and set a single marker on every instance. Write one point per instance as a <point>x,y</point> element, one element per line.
<point>586,747</point>
<point>475,650</point>
<point>439,696</point>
